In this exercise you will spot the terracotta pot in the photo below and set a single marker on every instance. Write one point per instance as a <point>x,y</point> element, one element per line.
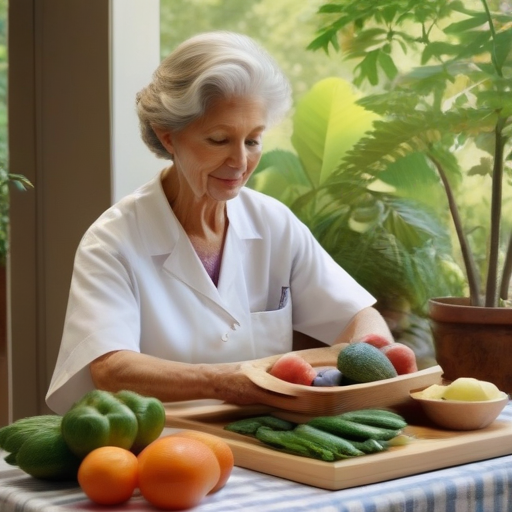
<point>472,341</point>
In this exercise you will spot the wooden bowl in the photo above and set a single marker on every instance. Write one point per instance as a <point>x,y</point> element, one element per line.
<point>461,415</point>
<point>327,401</point>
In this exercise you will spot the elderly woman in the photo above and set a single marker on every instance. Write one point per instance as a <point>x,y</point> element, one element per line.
<point>179,283</point>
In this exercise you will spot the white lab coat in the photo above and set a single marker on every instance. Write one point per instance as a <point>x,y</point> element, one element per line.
<point>139,285</point>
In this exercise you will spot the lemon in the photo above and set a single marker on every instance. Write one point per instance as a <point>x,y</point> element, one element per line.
<point>465,389</point>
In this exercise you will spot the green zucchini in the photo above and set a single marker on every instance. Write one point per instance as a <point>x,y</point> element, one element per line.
<point>290,442</point>
<point>352,430</point>
<point>341,448</point>
<point>377,418</point>
<point>249,426</point>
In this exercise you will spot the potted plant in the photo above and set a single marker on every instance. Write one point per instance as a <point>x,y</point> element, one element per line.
<point>442,70</point>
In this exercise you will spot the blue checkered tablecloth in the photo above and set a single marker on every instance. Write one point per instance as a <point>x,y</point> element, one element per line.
<point>484,486</point>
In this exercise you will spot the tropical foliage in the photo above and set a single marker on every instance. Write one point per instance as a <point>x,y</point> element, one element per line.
<point>392,245</point>
<point>284,28</point>
<point>441,76</point>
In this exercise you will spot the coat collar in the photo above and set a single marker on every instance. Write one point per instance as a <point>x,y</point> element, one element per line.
<point>163,235</point>
<point>160,229</point>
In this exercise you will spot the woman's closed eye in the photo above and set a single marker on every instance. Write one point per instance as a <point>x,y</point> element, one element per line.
<point>221,142</point>
<point>217,142</point>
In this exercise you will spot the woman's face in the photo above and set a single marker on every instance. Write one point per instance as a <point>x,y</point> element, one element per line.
<point>216,154</point>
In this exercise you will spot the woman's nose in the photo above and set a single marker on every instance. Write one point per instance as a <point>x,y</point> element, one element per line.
<point>237,158</point>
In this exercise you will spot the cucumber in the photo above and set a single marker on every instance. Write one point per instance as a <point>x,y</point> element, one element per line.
<point>249,426</point>
<point>341,448</point>
<point>377,418</point>
<point>352,430</point>
<point>361,362</point>
<point>370,446</point>
<point>290,442</point>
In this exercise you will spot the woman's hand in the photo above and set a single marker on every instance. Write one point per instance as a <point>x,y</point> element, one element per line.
<point>231,384</point>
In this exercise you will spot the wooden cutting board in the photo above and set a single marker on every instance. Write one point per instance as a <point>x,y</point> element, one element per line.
<point>432,449</point>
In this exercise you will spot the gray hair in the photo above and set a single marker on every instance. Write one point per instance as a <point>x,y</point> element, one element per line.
<point>203,68</point>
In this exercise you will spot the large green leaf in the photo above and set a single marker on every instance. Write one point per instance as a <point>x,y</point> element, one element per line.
<point>372,232</point>
<point>413,225</point>
<point>327,123</point>
<point>280,175</point>
<point>413,177</point>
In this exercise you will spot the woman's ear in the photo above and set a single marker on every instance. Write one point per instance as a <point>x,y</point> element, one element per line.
<point>164,135</point>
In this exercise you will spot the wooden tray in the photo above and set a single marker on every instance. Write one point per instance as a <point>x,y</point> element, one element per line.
<point>317,401</point>
<point>432,449</point>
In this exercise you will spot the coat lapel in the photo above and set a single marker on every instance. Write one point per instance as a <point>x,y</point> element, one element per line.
<point>184,264</point>
<point>163,235</point>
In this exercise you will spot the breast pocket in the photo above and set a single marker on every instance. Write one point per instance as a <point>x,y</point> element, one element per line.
<point>273,331</point>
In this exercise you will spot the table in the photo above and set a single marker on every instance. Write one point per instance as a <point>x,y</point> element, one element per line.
<point>484,486</point>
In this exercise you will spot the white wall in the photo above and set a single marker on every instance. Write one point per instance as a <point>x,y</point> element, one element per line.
<point>135,55</point>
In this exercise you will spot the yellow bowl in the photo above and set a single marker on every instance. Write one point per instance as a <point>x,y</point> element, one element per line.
<point>461,415</point>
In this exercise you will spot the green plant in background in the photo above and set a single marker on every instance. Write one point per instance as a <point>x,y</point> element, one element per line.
<point>21,183</point>
<point>443,73</point>
<point>6,178</point>
<point>284,28</point>
<point>392,245</point>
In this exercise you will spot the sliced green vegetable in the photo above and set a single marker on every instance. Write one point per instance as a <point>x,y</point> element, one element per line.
<point>370,446</point>
<point>249,426</point>
<point>290,442</point>
<point>352,430</point>
<point>377,418</point>
<point>341,448</point>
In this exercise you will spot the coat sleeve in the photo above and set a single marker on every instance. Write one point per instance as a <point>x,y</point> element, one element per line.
<point>102,315</point>
<point>325,297</point>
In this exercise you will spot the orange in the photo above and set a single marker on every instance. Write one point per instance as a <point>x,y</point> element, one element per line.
<point>108,475</point>
<point>176,473</point>
<point>221,450</point>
